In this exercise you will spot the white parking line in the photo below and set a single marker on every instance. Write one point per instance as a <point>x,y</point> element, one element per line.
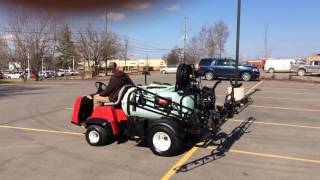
<point>273,156</point>
<point>285,108</point>
<point>41,130</point>
<point>278,124</point>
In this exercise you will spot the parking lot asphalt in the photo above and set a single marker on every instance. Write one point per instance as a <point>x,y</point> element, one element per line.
<point>277,137</point>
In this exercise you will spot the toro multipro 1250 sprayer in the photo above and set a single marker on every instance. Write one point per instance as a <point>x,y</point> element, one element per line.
<point>161,114</point>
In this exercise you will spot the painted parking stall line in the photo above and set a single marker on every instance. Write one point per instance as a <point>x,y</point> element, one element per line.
<point>41,130</point>
<point>285,108</point>
<point>273,156</point>
<point>288,99</point>
<point>279,124</point>
<point>294,93</point>
<point>179,163</point>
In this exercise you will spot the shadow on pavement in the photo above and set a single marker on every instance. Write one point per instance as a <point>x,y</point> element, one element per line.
<point>225,142</point>
<point>7,91</point>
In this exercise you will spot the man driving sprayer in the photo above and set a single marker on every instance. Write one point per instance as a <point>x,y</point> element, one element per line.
<point>116,82</point>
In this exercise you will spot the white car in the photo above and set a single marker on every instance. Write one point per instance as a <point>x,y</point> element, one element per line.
<point>14,75</point>
<point>169,69</point>
<point>47,74</point>
<point>73,73</point>
<point>61,73</point>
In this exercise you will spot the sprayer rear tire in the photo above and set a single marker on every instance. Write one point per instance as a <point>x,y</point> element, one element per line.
<point>163,141</point>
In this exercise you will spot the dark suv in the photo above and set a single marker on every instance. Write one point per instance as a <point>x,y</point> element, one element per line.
<point>212,68</point>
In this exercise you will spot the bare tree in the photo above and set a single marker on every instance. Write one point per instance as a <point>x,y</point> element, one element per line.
<point>267,50</point>
<point>91,46</point>
<point>124,51</point>
<point>199,46</point>
<point>208,41</point>
<point>65,48</point>
<point>112,48</point>
<point>4,52</point>
<point>173,57</point>
<point>221,34</point>
<point>96,47</point>
<point>32,37</point>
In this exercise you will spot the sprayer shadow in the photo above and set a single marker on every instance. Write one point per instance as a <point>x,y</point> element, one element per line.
<point>220,142</point>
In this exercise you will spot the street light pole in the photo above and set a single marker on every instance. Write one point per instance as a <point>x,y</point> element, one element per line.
<point>28,58</point>
<point>238,42</point>
<point>72,63</point>
<point>41,64</point>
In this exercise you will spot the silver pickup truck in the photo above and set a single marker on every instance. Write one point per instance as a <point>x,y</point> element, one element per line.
<point>306,69</point>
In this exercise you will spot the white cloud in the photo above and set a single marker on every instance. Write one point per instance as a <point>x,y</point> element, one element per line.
<point>139,5</point>
<point>174,7</point>
<point>115,16</point>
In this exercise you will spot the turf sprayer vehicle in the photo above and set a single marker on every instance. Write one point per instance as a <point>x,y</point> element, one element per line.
<point>161,114</point>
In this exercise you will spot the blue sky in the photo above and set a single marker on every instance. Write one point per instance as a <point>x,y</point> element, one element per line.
<point>151,28</point>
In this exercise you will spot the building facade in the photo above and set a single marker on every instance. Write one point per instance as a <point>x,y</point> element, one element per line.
<point>130,65</point>
<point>313,58</point>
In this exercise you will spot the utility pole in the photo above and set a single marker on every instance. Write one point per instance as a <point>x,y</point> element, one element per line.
<point>146,71</point>
<point>125,52</point>
<point>28,59</point>
<point>72,63</point>
<point>147,62</point>
<point>106,45</point>
<point>41,64</point>
<point>238,42</point>
<point>54,48</point>
<point>184,39</point>
<point>220,49</point>
<point>266,42</point>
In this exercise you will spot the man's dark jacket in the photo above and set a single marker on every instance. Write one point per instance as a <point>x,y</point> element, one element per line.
<point>117,81</point>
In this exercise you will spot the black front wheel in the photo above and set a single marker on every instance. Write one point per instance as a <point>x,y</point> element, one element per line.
<point>97,135</point>
<point>209,76</point>
<point>301,72</point>
<point>246,76</point>
<point>163,141</point>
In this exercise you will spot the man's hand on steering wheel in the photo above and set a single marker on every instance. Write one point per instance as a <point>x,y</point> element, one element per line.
<point>100,86</point>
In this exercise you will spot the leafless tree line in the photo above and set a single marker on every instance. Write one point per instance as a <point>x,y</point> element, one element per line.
<point>208,42</point>
<point>42,36</point>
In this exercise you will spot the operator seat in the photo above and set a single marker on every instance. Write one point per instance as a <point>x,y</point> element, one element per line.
<point>121,94</point>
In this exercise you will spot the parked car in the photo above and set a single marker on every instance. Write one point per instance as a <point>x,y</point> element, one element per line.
<point>61,73</point>
<point>14,75</point>
<point>212,68</point>
<point>73,73</point>
<point>304,69</point>
<point>278,65</point>
<point>33,75</point>
<point>65,72</point>
<point>47,74</point>
<point>169,69</point>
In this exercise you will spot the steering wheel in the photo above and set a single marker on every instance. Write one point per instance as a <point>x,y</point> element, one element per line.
<point>100,86</point>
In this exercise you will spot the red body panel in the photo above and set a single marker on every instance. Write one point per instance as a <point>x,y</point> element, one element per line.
<point>109,113</point>
<point>76,108</point>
